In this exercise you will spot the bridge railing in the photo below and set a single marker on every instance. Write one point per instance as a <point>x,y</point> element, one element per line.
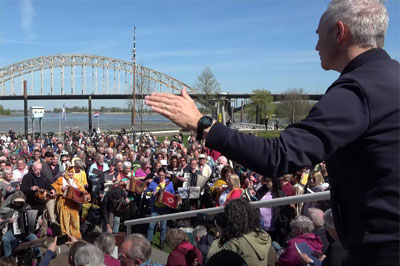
<point>247,126</point>
<point>320,196</point>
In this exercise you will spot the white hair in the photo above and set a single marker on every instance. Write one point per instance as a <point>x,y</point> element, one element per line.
<point>366,19</point>
<point>329,219</point>
<point>317,216</point>
<point>106,242</point>
<point>200,231</point>
<point>139,248</point>
<point>89,255</point>
<point>303,223</point>
<point>126,164</point>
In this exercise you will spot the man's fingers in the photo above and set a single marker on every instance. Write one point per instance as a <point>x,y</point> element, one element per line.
<point>185,94</point>
<point>161,111</point>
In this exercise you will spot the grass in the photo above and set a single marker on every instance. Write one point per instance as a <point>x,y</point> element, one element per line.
<point>156,243</point>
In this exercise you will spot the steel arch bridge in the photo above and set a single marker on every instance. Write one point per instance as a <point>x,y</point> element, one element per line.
<point>59,75</point>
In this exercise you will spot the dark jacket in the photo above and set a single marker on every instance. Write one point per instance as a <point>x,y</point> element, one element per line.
<point>355,129</point>
<point>46,171</point>
<point>29,180</point>
<point>185,255</point>
<point>204,245</point>
<point>111,200</point>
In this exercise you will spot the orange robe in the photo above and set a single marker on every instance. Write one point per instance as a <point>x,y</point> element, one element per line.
<point>68,210</point>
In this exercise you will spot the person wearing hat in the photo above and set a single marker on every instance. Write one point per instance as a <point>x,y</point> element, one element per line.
<point>68,209</point>
<point>10,239</point>
<point>111,213</point>
<point>203,166</point>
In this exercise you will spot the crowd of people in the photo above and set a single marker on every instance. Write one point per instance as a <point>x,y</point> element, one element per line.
<point>120,177</point>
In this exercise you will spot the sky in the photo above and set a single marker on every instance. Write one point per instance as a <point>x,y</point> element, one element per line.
<point>248,45</point>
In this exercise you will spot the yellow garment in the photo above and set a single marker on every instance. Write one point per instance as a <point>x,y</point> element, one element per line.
<point>68,210</point>
<point>160,205</point>
<point>218,183</point>
<point>80,178</point>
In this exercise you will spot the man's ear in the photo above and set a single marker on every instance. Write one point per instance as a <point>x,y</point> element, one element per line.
<point>341,32</point>
<point>137,262</point>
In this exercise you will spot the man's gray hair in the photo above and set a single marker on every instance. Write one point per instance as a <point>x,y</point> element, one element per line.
<point>200,231</point>
<point>303,223</point>
<point>317,216</point>
<point>139,247</point>
<point>6,171</point>
<point>143,162</point>
<point>36,164</point>
<point>126,164</point>
<point>329,219</point>
<point>89,255</point>
<point>98,156</point>
<point>366,19</point>
<point>106,243</point>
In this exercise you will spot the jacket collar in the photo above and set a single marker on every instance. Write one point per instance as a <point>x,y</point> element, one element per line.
<point>370,55</point>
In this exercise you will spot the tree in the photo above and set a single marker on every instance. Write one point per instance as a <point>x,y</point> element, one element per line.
<point>207,85</point>
<point>142,87</point>
<point>4,111</point>
<point>265,102</point>
<point>294,104</point>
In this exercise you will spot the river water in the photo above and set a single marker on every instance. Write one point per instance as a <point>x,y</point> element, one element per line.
<point>106,121</point>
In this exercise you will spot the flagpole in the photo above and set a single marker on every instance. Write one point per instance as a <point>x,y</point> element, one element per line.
<point>59,124</point>
<point>98,119</point>
<point>134,79</point>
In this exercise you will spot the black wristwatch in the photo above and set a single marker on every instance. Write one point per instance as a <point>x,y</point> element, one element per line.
<point>204,122</point>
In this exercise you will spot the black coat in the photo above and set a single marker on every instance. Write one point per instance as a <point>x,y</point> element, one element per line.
<point>355,129</point>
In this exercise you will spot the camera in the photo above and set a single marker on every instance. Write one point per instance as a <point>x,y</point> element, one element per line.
<point>211,220</point>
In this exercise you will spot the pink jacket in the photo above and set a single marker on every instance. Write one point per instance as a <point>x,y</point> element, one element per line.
<point>290,256</point>
<point>184,255</point>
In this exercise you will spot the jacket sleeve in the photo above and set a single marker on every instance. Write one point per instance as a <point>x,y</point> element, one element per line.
<point>47,258</point>
<point>289,256</point>
<point>339,118</point>
<point>57,185</point>
<point>170,188</point>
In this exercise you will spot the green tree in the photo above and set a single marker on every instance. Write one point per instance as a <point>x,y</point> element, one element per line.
<point>265,102</point>
<point>294,105</point>
<point>4,111</point>
<point>207,86</point>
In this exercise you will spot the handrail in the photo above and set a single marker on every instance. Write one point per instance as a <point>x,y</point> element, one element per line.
<point>258,204</point>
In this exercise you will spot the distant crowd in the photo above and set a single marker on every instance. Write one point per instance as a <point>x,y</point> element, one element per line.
<point>95,180</point>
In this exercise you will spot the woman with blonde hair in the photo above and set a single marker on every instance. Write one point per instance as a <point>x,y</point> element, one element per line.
<point>234,190</point>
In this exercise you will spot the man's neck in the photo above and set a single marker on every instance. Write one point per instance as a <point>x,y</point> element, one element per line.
<point>351,53</point>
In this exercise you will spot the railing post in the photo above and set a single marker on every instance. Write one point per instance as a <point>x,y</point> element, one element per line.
<point>90,114</point>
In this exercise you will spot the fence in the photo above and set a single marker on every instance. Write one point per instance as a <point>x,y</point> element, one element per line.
<point>258,204</point>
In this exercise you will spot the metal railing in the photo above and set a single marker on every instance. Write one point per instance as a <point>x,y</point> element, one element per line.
<point>258,204</point>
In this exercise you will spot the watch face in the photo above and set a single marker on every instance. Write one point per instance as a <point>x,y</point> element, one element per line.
<point>206,121</point>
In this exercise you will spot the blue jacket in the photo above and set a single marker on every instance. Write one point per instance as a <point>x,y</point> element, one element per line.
<point>355,129</point>
<point>154,186</point>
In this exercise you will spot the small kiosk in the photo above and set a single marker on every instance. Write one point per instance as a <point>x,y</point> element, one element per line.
<point>37,112</point>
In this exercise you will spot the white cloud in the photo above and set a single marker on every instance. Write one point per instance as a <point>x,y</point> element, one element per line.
<point>27,16</point>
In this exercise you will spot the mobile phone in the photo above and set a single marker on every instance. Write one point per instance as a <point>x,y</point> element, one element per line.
<point>61,240</point>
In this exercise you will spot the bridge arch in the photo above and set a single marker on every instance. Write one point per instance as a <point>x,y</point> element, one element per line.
<point>95,74</point>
